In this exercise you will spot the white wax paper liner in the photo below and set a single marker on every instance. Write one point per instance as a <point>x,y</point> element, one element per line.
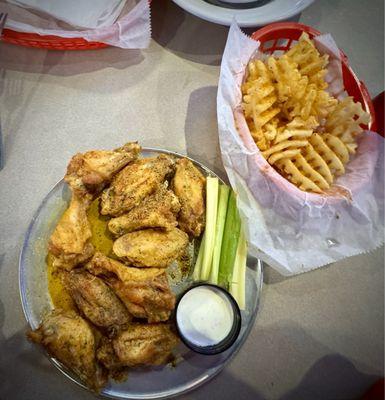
<point>132,30</point>
<point>292,230</point>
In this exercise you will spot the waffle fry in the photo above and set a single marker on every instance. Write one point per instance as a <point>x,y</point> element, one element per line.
<point>308,101</point>
<point>294,175</point>
<point>314,103</point>
<point>300,129</point>
<point>310,62</point>
<point>309,172</point>
<point>259,99</point>
<point>272,130</point>
<point>323,104</point>
<point>318,163</point>
<point>282,155</point>
<point>260,139</point>
<point>302,107</point>
<point>277,148</point>
<point>345,120</point>
<point>337,146</point>
<point>334,163</point>
<point>288,80</point>
<point>296,129</point>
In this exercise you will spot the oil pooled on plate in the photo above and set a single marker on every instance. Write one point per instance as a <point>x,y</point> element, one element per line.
<point>102,241</point>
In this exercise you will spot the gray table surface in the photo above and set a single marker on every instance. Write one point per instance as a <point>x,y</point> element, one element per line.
<point>319,335</point>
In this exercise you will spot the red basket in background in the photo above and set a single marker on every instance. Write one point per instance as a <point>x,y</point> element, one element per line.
<point>49,42</point>
<point>290,31</point>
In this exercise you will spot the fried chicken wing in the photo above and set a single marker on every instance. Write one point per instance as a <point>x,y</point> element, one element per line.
<point>96,301</point>
<point>150,247</point>
<point>91,171</point>
<point>139,345</point>
<point>156,211</point>
<point>189,186</point>
<point>70,242</point>
<point>105,354</point>
<point>135,182</point>
<point>70,339</point>
<point>144,291</point>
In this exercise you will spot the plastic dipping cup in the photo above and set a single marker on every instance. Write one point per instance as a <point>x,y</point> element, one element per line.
<point>208,319</point>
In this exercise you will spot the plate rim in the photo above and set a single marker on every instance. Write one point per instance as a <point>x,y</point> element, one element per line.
<point>63,369</point>
<point>247,18</point>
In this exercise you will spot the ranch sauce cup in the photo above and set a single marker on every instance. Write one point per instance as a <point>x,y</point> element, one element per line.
<point>208,319</point>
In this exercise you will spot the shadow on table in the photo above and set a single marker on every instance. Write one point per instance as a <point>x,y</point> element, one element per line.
<point>201,129</point>
<point>66,63</point>
<point>271,276</point>
<point>186,35</point>
<point>333,376</point>
<point>285,354</point>
<point>280,355</point>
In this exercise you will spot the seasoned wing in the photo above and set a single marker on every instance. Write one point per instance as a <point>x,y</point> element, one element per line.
<point>96,301</point>
<point>189,185</point>
<point>69,339</point>
<point>150,247</point>
<point>70,242</point>
<point>156,211</point>
<point>91,171</point>
<point>144,291</point>
<point>139,345</point>
<point>107,357</point>
<point>135,182</point>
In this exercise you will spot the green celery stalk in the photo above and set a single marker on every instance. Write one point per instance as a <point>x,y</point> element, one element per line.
<point>198,263</point>
<point>234,287</point>
<point>224,192</point>
<point>229,242</point>
<point>212,185</point>
<point>238,281</point>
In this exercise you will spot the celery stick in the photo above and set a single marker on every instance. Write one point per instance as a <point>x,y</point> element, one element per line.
<point>198,263</point>
<point>237,287</point>
<point>224,192</point>
<point>234,287</point>
<point>211,219</point>
<point>229,242</point>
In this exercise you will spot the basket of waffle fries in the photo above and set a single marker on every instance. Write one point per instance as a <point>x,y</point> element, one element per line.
<point>297,137</point>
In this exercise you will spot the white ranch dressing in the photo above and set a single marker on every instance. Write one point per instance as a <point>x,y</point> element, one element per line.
<point>205,316</point>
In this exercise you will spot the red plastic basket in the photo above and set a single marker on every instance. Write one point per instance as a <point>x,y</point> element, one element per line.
<point>280,36</point>
<point>49,42</point>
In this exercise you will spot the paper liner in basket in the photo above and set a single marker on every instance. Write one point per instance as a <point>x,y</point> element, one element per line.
<point>132,29</point>
<point>292,230</point>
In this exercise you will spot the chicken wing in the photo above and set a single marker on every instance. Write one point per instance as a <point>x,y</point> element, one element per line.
<point>139,345</point>
<point>135,182</point>
<point>144,291</point>
<point>70,242</point>
<point>91,171</point>
<point>189,185</point>
<point>156,211</point>
<point>96,301</point>
<point>150,247</point>
<point>70,339</point>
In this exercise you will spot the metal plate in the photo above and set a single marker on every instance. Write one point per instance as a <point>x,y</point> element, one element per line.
<point>148,383</point>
